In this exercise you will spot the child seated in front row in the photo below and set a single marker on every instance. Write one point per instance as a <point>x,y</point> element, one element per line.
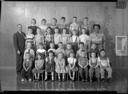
<point>94,66</point>
<point>50,65</point>
<point>27,68</point>
<point>72,66</point>
<point>104,66</point>
<point>39,66</point>
<point>60,66</point>
<point>83,65</point>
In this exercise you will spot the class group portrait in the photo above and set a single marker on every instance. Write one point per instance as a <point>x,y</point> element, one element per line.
<point>74,51</point>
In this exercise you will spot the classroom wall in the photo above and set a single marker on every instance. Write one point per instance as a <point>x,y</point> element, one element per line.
<point>113,21</point>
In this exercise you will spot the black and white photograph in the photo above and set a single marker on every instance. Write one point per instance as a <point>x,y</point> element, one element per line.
<point>64,46</point>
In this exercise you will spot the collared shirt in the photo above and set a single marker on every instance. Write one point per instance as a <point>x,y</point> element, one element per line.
<point>84,38</point>
<point>57,38</point>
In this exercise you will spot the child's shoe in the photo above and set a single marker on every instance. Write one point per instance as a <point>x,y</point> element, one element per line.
<point>22,80</point>
<point>102,80</point>
<point>109,80</point>
<point>29,79</point>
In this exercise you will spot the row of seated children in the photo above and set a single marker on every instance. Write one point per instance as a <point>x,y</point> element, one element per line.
<point>65,61</point>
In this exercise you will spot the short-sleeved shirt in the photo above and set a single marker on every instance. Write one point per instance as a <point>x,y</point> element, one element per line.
<point>84,38</point>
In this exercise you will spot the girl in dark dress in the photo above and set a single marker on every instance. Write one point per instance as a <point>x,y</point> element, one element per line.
<point>33,26</point>
<point>50,65</point>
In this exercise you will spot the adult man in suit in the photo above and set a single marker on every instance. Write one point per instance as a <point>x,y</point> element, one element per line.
<point>19,44</point>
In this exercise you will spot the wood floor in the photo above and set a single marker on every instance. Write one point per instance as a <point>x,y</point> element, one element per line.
<point>10,81</point>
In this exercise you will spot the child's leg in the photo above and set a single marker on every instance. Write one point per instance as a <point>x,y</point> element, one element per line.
<point>63,76</point>
<point>73,75</point>
<point>86,73</point>
<point>91,70</point>
<point>23,74</point>
<point>59,76</point>
<point>35,75</point>
<point>97,73</point>
<point>52,75</point>
<point>102,72</point>
<point>38,75</point>
<point>70,74</point>
<point>46,74</point>
<point>29,74</point>
<point>81,72</point>
<point>109,70</point>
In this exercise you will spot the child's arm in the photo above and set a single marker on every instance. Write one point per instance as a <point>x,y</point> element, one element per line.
<point>74,63</point>
<point>99,62</point>
<point>108,62</point>
<point>90,63</point>
<point>36,65</point>
<point>86,65</point>
<point>79,63</point>
<point>24,66</point>
<point>24,54</point>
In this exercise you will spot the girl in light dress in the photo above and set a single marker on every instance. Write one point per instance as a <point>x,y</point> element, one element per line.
<point>39,38</point>
<point>50,65</point>
<point>60,66</point>
<point>72,66</point>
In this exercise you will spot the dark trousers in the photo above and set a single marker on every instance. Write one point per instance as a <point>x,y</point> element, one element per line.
<point>83,72</point>
<point>19,63</point>
<point>26,74</point>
